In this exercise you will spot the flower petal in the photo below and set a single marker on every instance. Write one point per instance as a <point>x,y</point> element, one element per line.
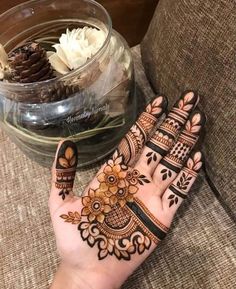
<point>130,198</point>
<point>73,161</point>
<point>133,189</point>
<point>113,200</point>
<point>107,170</point>
<point>100,218</point>
<point>113,190</point>
<point>99,194</point>
<point>86,201</point>
<point>108,194</point>
<point>91,217</point>
<point>190,163</point>
<point>103,187</point>
<point>85,211</point>
<point>122,202</point>
<point>122,175</point>
<point>107,209</point>
<point>121,184</point>
<point>91,193</point>
<point>116,169</point>
<point>69,153</point>
<point>63,162</point>
<point>101,177</point>
<point>106,200</point>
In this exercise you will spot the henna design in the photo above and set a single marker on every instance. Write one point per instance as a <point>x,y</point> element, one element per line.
<point>166,173</point>
<point>152,156</point>
<point>65,168</point>
<point>113,218</point>
<point>73,218</point>
<point>132,144</point>
<point>187,139</point>
<point>180,189</point>
<point>125,231</point>
<point>165,136</point>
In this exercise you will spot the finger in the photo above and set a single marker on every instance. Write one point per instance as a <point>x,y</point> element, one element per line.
<point>63,173</point>
<point>172,163</point>
<point>164,138</point>
<point>178,190</point>
<point>132,144</point>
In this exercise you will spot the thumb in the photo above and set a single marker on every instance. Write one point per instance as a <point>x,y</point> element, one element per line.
<point>63,173</point>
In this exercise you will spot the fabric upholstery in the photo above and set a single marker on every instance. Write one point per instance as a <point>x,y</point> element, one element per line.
<point>191,45</point>
<point>199,252</point>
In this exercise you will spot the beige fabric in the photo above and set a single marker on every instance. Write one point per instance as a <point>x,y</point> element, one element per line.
<point>191,45</point>
<point>199,252</point>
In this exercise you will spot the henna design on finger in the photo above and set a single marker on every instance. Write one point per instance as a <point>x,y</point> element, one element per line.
<point>175,159</point>
<point>114,219</point>
<point>66,164</point>
<point>151,156</point>
<point>165,136</point>
<point>132,144</point>
<point>183,183</point>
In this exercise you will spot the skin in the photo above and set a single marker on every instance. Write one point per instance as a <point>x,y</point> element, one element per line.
<point>80,266</point>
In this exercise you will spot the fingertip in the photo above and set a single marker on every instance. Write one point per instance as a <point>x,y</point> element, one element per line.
<point>157,106</point>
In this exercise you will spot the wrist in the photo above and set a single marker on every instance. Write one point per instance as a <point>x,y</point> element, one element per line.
<point>71,278</point>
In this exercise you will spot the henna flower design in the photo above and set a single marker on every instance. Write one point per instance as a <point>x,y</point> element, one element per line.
<point>69,160</point>
<point>96,205</point>
<point>124,195</point>
<point>113,177</point>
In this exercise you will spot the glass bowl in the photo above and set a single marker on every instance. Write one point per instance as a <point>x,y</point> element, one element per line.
<point>93,105</point>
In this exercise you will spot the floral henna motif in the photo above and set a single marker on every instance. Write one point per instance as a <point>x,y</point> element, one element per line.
<point>133,142</point>
<point>65,168</point>
<point>175,159</point>
<point>165,136</point>
<point>180,188</point>
<point>96,205</point>
<point>114,219</point>
<point>125,231</point>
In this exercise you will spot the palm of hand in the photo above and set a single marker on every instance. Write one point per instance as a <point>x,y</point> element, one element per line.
<point>127,210</point>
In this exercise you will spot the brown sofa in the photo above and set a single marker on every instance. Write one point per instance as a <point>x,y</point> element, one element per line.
<point>189,45</point>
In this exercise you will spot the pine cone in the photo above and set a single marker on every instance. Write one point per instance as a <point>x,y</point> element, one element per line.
<point>29,63</point>
<point>57,92</point>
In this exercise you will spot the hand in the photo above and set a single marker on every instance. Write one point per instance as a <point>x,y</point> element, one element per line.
<point>127,209</point>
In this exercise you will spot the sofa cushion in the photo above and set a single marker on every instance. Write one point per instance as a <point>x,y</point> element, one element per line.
<point>191,45</point>
<point>199,252</point>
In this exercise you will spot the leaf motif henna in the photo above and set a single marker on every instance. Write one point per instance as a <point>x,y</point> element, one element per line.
<point>181,186</point>
<point>65,168</point>
<point>73,218</point>
<point>152,156</point>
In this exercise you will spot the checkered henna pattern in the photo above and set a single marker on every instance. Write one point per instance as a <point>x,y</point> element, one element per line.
<point>175,159</point>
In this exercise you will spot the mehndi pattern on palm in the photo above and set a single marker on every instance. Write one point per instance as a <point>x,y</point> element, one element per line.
<point>117,221</point>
